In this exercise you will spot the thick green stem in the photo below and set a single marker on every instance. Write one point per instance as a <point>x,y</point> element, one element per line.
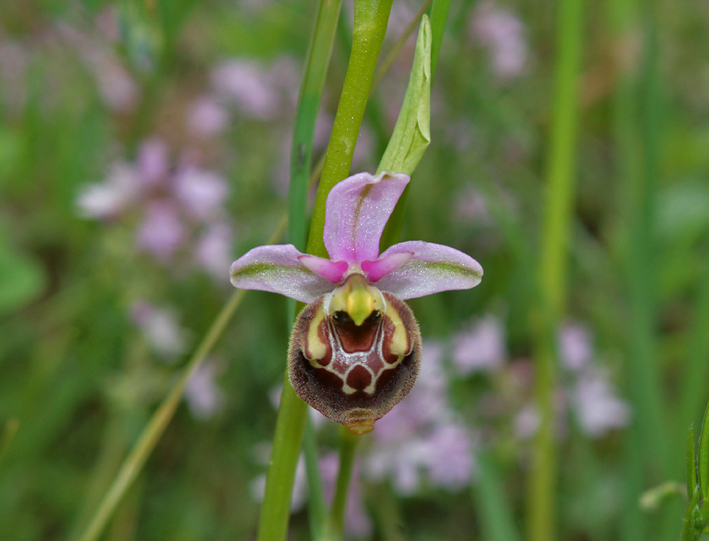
<point>559,198</point>
<point>370,22</point>
<point>275,511</point>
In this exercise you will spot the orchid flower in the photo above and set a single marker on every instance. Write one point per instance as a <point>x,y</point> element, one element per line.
<point>355,348</point>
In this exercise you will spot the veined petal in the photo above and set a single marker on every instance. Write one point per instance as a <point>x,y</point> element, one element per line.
<point>432,268</point>
<point>332,271</point>
<point>276,268</point>
<point>357,211</point>
<point>379,268</point>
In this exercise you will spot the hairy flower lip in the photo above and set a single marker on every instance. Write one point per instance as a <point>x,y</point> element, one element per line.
<point>357,210</point>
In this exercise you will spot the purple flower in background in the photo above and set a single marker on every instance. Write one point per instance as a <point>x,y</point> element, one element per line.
<point>161,328</point>
<point>106,200</point>
<point>213,249</point>
<point>162,231</point>
<point>597,407</point>
<point>257,91</point>
<point>178,209</point>
<point>422,438</point>
<point>202,394</point>
<point>590,393</point>
<point>207,117</point>
<point>355,348</point>
<point>575,350</point>
<point>502,34</point>
<point>153,162</point>
<point>481,348</point>
<point>115,85</point>
<point>202,193</point>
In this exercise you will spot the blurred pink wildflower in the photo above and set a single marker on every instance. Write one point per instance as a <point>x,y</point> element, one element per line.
<point>480,348</point>
<point>177,209</point>
<point>203,395</point>
<point>503,34</point>
<point>422,439</point>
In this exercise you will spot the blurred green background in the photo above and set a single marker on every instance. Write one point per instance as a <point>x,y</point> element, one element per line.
<point>144,145</point>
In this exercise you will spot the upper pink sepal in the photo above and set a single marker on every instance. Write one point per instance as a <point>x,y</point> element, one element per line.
<point>431,268</point>
<point>277,268</point>
<point>356,212</point>
<point>379,268</point>
<point>332,271</point>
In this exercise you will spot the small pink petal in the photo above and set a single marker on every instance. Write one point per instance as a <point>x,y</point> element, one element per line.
<point>378,269</point>
<point>330,270</point>
<point>431,269</point>
<point>153,161</point>
<point>276,268</point>
<point>357,211</point>
<point>162,232</point>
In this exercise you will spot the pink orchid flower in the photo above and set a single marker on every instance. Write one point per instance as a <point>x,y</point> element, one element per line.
<point>355,349</point>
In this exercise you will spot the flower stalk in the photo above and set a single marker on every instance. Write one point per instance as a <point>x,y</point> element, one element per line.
<point>371,18</point>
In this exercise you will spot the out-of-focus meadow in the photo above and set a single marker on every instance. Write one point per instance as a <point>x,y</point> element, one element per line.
<point>145,145</point>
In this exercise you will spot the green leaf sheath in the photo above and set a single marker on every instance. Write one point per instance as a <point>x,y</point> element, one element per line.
<point>412,133</point>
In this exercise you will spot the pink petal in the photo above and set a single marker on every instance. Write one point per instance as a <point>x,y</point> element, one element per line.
<point>357,211</point>
<point>276,268</point>
<point>330,270</point>
<point>431,269</point>
<point>378,269</point>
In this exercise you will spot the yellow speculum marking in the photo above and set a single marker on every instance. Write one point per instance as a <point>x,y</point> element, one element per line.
<point>399,344</point>
<point>316,348</point>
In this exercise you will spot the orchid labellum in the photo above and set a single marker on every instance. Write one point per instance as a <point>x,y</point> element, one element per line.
<point>355,348</point>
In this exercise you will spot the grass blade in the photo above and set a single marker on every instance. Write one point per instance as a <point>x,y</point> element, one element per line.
<point>704,454</point>
<point>691,463</point>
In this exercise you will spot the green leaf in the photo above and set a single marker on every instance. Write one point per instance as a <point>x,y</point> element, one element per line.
<point>704,454</point>
<point>691,471</point>
<point>412,133</point>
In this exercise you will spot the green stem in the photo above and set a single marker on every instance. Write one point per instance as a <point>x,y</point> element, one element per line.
<point>439,17</point>
<point>370,22</point>
<point>348,451</point>
<point>290,426</point>
<point>318,60</point>
<point>496,517</point>
<point>559,198</point>
<point>694,384</point>
<point>317,510</point>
